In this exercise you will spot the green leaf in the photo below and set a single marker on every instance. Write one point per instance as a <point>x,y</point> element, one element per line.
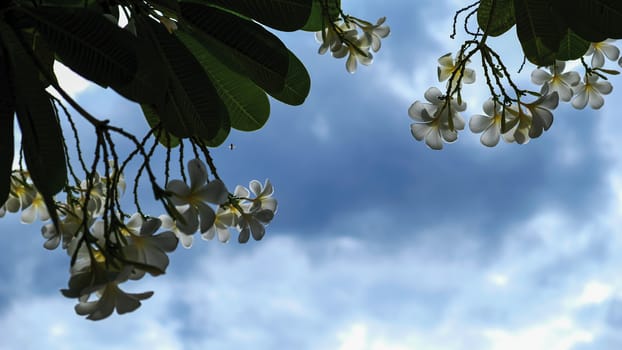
<point>220,137</point>
<point>242,45</point>
<point>7,111</point>
<point>286,15</point>
<point>151,115</point>
<point>149,84</point>
<point>592,20</point>
<point>572,47</point>
<point>88,43</point>
<point>316,20</point>
<point>539,30</point>
<point>297,83</point>
<point>191,106</point>
<point>42,51</point>
<point>248,105</point>
<point>42,138</point>
<point>69,3</point>
<point>502,16</point>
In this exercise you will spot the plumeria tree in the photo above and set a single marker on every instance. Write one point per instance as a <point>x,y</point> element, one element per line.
<point>555,36</point>
<point>199,68</point>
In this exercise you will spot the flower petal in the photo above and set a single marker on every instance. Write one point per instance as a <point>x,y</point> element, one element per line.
<point>190,222</point>
<point>490,136</point>
<point>539,77</point>
<point>214,192</point>
<point>595,99</point>
<point>180,192</point>
<point>419,130</point>
<point>198,173</point>
<point>611,51</point>
<point>351,63</point>
<point>469,76</point>
<point>433,95</point>
<point>479,123</point>
<point>433,139</point>
<point>29,215</point>
<point>206,215</point>
<point>598,59</point>
<point>580,100</point>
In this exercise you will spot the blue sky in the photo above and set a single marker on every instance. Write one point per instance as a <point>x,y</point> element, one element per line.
<point>379,243</point>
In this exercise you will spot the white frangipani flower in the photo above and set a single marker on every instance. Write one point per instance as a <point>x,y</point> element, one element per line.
<point>541,116</point>
<point>169,224</point>
<point>357,50</point>
<point>254,223</point>
<point>343,39</point>
<point>555,80</point>
<point>225,218</point>
<point>490,124</point>
<point>68,227</point>
<point>590,92</point>
<point>530,120</point>
<point>196,197</point>
<point>148,248</point>
<point>446,68</point>
<point>432,119</point>
<point>111,298</point>
<point>37,209</point>
<point>21,195</point>
<point>601,50</point>
<point>373,32</point>
<point>329,39</point>
<point>263,196</point>
<point>97,195</point>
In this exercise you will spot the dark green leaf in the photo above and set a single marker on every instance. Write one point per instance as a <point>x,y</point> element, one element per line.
<point>502,18</point>
<point>191,107</point>
<point>220,137</point>
<point>572,47</point>
<point>69,3</point>
<point>151,115</point>
<point>244,46</point>
<point>89,44</point>
<point>316,20</point>
<point>168,7</point>
<point>42,139</point>
<point>286,15</point>
<point>149,85</point>
<point>539,30</point>
<point>593,20</point>
<point>247,105</point>
<point>7,111</point>
<point>297,83</point>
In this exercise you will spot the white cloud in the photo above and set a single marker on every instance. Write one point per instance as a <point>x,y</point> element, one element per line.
<point>594,292</point>
<point>433,292</point>
<point>555,334</point>
<point>71,82</point>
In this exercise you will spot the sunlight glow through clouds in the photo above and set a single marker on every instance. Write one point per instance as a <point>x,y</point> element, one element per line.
<point>555,334</point>
<point>594,292</point>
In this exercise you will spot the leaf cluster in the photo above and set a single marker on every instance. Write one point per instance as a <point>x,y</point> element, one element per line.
<point>198,68</point>
<point>551,30</point>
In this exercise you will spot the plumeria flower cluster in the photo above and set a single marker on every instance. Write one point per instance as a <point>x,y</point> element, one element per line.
<point>352,37</point>
<point>438,121</point>
<point>240,211</point>
<point>518,122</point>
<point>108,248</point>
